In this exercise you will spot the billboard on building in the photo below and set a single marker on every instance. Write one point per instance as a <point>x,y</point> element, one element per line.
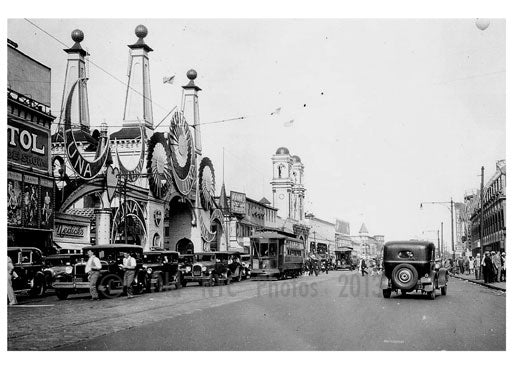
<point>47,203</point>
<point>28,77</point>
<point>342,227</point>
<point>237,202</point>
<point>14,198</point>
<point>30,202</point>
<point>28,145</point>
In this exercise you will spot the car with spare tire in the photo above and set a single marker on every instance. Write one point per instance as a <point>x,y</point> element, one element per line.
<point>410,266</point>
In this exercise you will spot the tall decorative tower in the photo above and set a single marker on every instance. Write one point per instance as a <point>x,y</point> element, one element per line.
<point>76,69</point>
<point>298,189</point>
<point>282,183</point>
<point>138,106</point>
<point>190,108</point>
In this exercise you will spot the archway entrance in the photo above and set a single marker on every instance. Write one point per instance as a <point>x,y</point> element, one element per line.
<point>216,227</point>
<point>185,246</point>
<point>178,223</point>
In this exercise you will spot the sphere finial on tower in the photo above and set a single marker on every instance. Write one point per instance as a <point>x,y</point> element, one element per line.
<point>77,35</point>
<point>141,31</point>
<point>192,74</point>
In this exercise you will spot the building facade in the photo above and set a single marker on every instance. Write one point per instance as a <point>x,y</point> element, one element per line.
<point>30,192</point>
<point>493,237</point>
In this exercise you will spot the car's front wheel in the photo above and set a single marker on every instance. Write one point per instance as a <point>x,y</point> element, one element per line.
<point>61,294</point>
<point>387,293</point>
<point>158,284</point>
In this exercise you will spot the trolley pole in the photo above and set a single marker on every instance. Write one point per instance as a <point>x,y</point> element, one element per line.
<point>481,215</point>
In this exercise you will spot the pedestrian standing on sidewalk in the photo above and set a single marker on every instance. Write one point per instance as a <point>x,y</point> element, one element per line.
<point>129,264</point>
<point>364,268</point>
<point>93,267</point>
<point>466,265</point>
<point>487,268</point>
<point>496,260</point>
<point>503,267</point>
<point>10,273</point>
<point>471,265</point>
<point>477,266</point>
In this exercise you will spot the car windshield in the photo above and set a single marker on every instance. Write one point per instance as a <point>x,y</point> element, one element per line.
<point>204,257</point>
<point>151,258</point>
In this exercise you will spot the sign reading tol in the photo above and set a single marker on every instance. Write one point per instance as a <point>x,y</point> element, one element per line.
<point>27,145</point>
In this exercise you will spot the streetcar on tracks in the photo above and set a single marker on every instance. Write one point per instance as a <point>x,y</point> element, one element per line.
<point>276,256</point>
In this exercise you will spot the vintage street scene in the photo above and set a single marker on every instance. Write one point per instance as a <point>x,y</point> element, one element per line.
<point>256,184</point>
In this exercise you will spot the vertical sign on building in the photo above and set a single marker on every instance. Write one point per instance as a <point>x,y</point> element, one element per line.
<point>14,198</point>
<point>47,203</point>
<point>30,203</point>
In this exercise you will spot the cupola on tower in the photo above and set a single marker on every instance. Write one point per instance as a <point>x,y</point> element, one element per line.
<point>287,184</point>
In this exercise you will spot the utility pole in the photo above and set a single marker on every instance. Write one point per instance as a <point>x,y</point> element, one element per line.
<point>442,238</point>
<point>438,238</point>
<point>452,230</point>
<point>481,214</point>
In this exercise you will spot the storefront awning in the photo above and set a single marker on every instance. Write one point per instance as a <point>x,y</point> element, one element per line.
<point>344,248</point>
<point>69,245</point>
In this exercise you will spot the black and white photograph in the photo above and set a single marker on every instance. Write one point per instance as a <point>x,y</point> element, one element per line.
<point>256,184</point>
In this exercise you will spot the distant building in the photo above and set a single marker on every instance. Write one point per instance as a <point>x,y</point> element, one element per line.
<point>366,245</point>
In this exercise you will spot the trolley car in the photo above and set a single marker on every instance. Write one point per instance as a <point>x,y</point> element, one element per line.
<point>276,256</point>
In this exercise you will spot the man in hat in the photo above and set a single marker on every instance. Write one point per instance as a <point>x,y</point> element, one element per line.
<point>487,268</point>
<point>477,266</point>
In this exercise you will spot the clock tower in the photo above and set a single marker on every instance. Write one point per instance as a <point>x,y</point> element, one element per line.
<point>282,183</point>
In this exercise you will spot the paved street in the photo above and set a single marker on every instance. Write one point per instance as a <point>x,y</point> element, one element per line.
<point>338,311</point>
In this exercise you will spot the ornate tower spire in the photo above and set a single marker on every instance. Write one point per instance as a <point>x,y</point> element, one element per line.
<point>190,108</point>
<point>76,69</point>
<point>138,105</point>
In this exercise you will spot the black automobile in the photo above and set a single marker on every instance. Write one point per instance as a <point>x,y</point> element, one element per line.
<point>110,282</point>
<point>411,266</point>
<point>162,269</point>
<point>57,264</point>
<point>28,273</point>
<point>232,262</point>
<point>207,269</point>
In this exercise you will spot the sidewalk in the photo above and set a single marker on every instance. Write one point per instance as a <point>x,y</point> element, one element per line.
<point>471,278</point>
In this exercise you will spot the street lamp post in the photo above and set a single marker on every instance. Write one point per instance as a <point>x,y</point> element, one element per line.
<point>452,218</point>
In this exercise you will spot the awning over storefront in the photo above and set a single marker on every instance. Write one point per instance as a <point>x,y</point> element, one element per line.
<point>344,248</point>
<point>69,245</point>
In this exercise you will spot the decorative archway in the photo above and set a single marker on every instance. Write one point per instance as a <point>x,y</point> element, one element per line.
<point>179,218</point>
<point>185,246</point>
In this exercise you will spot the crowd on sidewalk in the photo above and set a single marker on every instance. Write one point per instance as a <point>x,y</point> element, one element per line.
<point>491,268</point>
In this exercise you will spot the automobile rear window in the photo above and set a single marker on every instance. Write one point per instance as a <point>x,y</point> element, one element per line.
<point>405,254</point>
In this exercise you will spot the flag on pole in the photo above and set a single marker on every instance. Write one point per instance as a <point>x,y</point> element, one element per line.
<point>169,80</point>
<point>289,123</point>
<point>276,111</point>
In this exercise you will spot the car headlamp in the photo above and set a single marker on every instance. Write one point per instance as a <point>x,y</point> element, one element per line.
<point>68,270</point>
<point>149,271</point>
<point>187,269</point>
<point>203,268</point>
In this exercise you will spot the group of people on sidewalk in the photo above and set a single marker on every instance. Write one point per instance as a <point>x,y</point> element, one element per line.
<point>491,268</point>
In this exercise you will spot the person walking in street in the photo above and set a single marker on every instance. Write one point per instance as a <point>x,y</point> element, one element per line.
<point>471,265</point>
<point>477,266</point>
<point>10,273</point>
<point>129,265</point>
<point>93,267</point>
<point>364,268</point>
<point>503,267</point>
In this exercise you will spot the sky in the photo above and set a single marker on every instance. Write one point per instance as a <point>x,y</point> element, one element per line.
<point>387,113</point>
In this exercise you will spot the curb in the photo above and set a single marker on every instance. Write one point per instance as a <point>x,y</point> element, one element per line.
<point>480,283</point>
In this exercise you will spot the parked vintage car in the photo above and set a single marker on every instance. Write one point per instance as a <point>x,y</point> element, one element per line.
<point>28,273</point>
<point>162,269</point>
<point>411,266</point>
<point>57,264</point>
<point>110,283</point>
<point>232,260</point>
<point>207,269</point>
